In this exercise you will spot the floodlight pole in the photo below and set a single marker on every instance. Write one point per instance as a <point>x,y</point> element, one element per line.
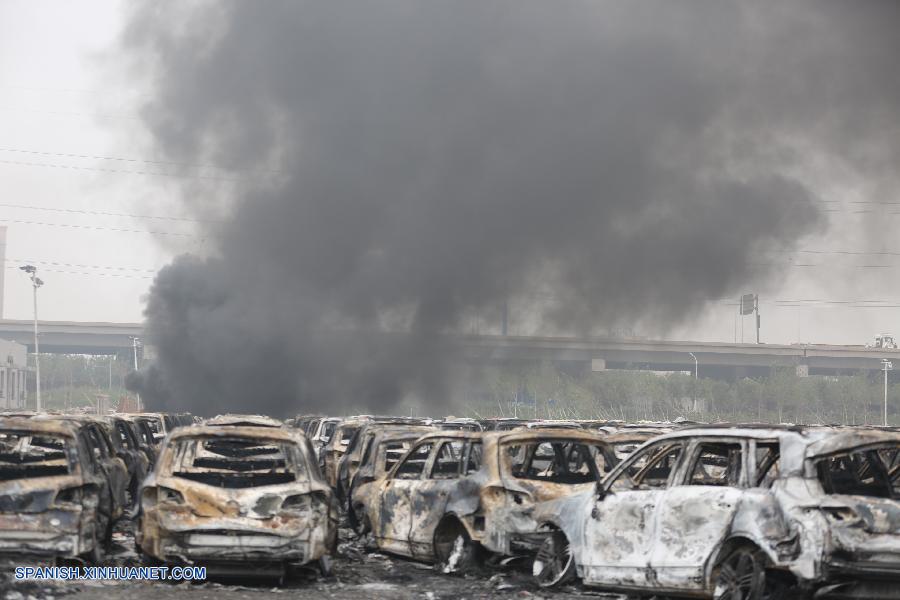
<point>35,284</point>
<point>886,366</point>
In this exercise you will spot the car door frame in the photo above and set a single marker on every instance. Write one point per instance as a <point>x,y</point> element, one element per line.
<point>693,520</point>
<point>620,559</point>
<point>392,520</point>
<point>429,499</point>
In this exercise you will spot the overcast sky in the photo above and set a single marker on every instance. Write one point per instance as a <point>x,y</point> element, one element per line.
<point>62,107</point>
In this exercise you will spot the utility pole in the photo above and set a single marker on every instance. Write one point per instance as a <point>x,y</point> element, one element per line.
<point>35,284</point>
<point>756,305</point>
<point>886,366</point>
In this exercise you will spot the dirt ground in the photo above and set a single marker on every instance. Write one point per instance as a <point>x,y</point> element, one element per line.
<point>358,572</point>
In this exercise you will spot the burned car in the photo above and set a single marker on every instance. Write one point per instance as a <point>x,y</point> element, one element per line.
<point>386,447</point>
<point>128,447</point>
<point>456,492</point>
<point>97,437</point>
<point>742,512</point>
<point>54,498</point>
<point>360,447</point>
<point>237,497</point>
<point>114,437</point>
<point>331,453</point>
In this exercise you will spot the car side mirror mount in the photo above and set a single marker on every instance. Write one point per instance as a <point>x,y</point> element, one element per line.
<point>602,492</point>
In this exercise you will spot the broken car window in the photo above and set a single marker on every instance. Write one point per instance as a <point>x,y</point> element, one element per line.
<point>237,462</point>
<point>473,462</point>
<point>327,431</point>
<point>858,472</point>
<point>367,451</point>
<point>394,451</point>
<point>768,464</point>
<point>446,463</point>
<point>717,464</point>
<point>414,465</point>
<point>650,470</point>
<point>564,462</point>
<point>23,455</point>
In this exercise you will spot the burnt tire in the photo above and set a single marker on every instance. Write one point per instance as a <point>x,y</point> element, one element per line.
<point>554,562</point>
<point>454,550</point>
<point>742,575</point>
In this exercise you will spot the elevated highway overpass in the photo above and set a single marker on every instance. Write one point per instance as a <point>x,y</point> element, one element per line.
<point>716,359</point>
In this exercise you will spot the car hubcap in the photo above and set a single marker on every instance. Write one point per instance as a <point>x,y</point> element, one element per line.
<point>553,560</point>
<point>740,577</point>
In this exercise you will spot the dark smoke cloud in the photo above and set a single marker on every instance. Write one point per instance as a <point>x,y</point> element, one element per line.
<point>631,161</point>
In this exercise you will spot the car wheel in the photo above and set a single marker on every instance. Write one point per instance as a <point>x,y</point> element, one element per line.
<point>454,550</point>
<point>554,563</point>
<point>741,575</point>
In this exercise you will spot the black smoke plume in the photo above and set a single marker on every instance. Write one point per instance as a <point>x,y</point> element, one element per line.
<point>405,166</point>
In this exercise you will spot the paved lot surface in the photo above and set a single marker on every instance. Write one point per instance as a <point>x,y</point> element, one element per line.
<point>358,573</point>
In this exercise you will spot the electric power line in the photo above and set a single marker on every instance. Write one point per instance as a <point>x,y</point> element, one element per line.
<point>80,266</point>
<point>95,227</point>
<point>119,171</point>
<point>107,214</point>
<point>134,160</point>
<point>91,273</point>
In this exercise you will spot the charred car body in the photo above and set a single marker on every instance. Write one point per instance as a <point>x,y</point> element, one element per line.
<point>456,492</point>
<point>360,447</point>
<point>744,512</point>
<point>385,450</point>
<point>237,496</point>
<point>55,500</point>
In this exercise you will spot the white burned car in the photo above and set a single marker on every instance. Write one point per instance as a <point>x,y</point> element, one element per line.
<point>245,497</point>
<point>738,513</point>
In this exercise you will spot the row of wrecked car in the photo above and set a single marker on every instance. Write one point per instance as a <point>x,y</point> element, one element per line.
<point>736,512</point>
<point>721,511</point>
<point>66,480</point>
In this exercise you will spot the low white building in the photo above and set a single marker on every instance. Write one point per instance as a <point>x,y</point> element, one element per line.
<point>13,372</point>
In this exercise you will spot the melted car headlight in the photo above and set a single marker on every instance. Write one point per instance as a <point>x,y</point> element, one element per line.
<point>165,494</point>
<point>842,515</point>
<point>298,503</point>
<point>68,496</point>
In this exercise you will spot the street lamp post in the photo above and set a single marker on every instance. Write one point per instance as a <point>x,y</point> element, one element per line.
<point>134,346</point>
<point>886,366</point>
<point>35,284</point>
<point>696,372</point>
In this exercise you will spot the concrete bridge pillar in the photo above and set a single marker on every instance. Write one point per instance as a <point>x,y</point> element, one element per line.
<point>598,364</point>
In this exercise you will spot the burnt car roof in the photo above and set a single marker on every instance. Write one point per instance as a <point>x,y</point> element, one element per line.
<point>537,433</point>
<point>56,426</point>
<point>519,434</point>
<point>229,420</point>
<point>271,433</point>
<point>843,439</point>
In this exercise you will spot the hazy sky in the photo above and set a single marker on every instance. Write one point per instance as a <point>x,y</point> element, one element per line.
<point>61,98</point>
